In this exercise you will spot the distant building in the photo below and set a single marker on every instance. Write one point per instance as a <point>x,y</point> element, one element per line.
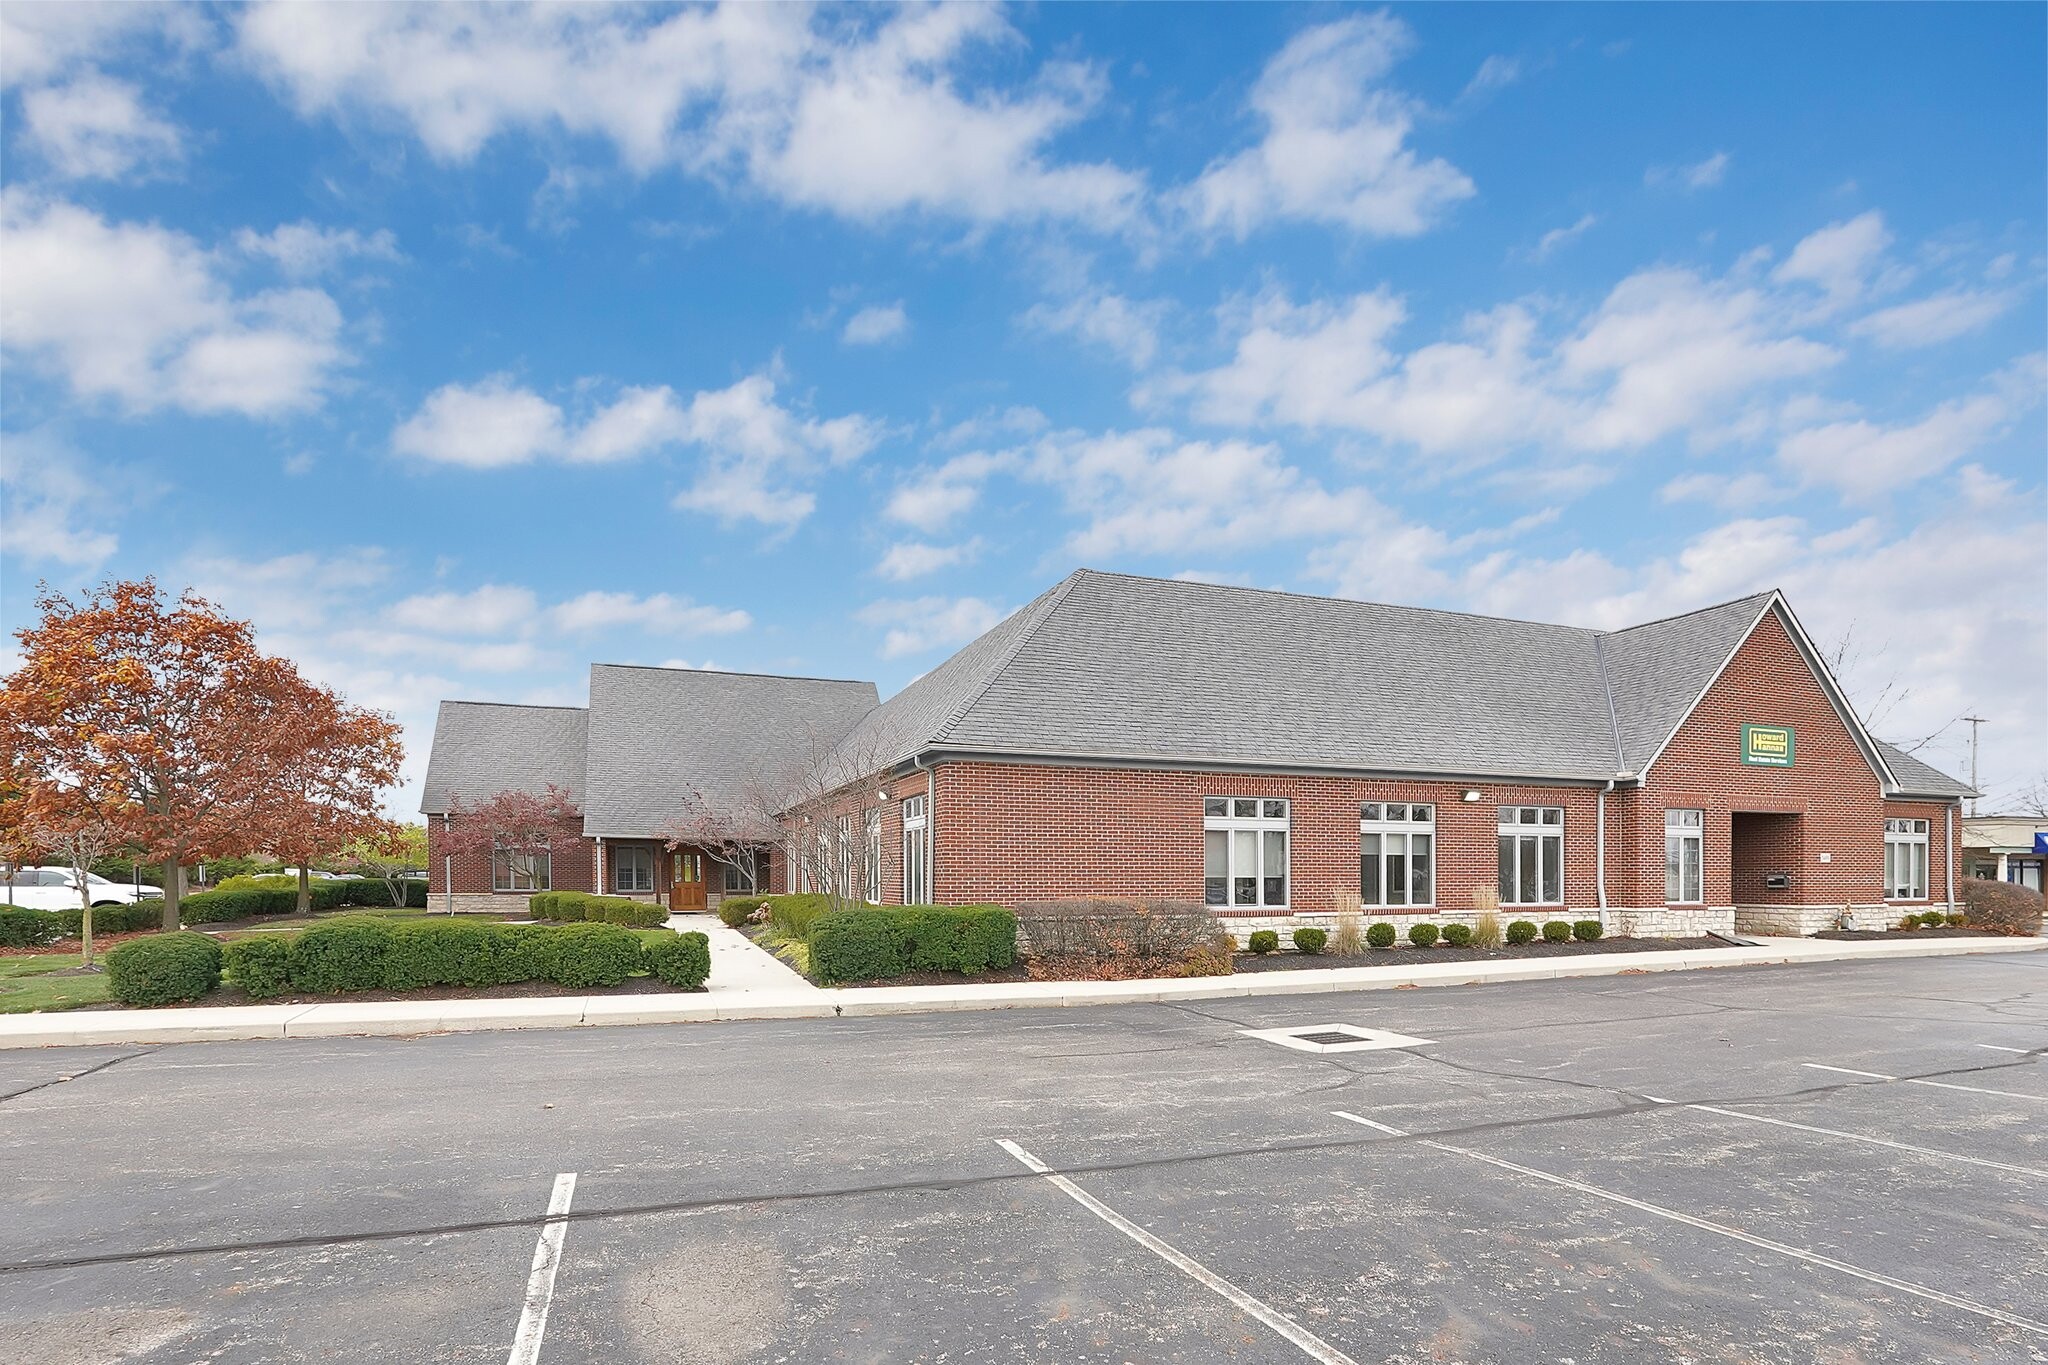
<point>2006,848</point>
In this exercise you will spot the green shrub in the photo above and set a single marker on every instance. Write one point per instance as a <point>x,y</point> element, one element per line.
<point>260,964</point>
<point>583,955</point>
<point>1381,935</point>
<point>1263,941</point>
<point>1422,935</point>
<point>416,895</point>
<point>1557,931</point>
<point>1310,941</point>
<point>1956,920</point>
<point>109,919</point>
<point>1909,922</point>
<point>857,945</point>
<point>441,952</point>
<point>1458,935</point>
<point>341,955</point>
<point>681,960</point>
<point>582,907</point>
<point>746,905</point>
<point>970,939</point>
<point>163,969</point>
<point>1521,931</point>
<point>1587,930</point>
<point>733,916</point>
<point>218,907</point>
<point>793,916</point>
<point>21,927</point>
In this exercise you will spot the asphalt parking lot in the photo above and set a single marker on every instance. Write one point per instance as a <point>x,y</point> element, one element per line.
<point>1839,1163</point>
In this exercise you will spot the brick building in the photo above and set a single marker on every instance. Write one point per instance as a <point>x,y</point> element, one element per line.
<point>1268,753</point>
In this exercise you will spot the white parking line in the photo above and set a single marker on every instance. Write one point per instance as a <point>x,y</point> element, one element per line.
<point>1996,1048</point>
<point>1312,1346</point>
<point>1915,1080</point>
<point>1722,1229</point>
<point>1934,1152</point>
<point>540,1281</point>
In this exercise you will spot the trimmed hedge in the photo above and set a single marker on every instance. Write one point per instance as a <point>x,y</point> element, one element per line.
<point>1458,935</point>
<point>1381,935</point>
<point>583,955</point>
<point>1557,931</point>
<point>883,941</point>
<point>1263,941</point>
<point>233,902</point>
<point>341,955</point>
<point>793,916</point>
<point>732,916</point>
<point>109,919</point>
<point>24,928</point>
<point>164,969</point>
<point>1521,931</point>
<point>1422,935</point>
<point>683,961</point>
<point>1587,930</point>
<point>582,907</point>
<point>259,964</point>
<point>1310,941</point>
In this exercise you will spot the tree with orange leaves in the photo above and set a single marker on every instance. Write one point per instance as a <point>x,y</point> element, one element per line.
<point>170,709</point>
<point>325,765</point>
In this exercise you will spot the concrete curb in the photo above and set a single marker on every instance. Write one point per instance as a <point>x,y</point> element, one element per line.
<point>408,1018</point>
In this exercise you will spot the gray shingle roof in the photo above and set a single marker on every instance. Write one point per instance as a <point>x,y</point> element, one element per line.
<point>1919,779</point>
<point>1658,669</point>
<point>658,735</point>
<point>482,748</point>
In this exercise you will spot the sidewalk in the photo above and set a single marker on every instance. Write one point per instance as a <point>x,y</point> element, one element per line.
<point>752,989</point>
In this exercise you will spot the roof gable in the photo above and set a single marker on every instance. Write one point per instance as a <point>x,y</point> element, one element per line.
<point>1659,670</point>
<point>482,748</point>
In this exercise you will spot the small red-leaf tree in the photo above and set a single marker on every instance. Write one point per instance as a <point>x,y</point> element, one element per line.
<point>325,765</point>
<point>516,826</point>
<point>157,702</point>
<point>732,831</point>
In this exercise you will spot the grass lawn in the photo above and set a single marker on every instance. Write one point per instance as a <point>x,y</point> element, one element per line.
<point>26,985</point>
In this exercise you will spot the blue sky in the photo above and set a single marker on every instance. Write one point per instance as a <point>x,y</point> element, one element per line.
<point>459,348</point>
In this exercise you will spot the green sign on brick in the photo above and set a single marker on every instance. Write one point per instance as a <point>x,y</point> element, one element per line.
<point>1767,746</point>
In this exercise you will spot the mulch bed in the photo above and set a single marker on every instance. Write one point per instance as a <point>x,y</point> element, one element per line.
<point>233,995</point>
<point>1875,935</point>
<point>1408,955</point>
<point>71,947</point>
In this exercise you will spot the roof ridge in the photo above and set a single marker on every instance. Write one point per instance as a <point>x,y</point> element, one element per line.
<point>522,705</point>
<point>1052,597</point>
<point>737,673</point>
<point>1607,686</point>
<point>1325,597</point>
<point>1696,611</point>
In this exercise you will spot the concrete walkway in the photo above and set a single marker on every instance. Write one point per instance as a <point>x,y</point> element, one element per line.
<point>740,966</point>
<point>753,991</point>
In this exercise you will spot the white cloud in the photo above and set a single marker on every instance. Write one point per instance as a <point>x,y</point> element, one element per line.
<point>95,127</point>
<point>140,314</point>
<point>931,499</point>
<point>1495,73</point>
<point>1698,175</point>
<point>305,249</point>
<point>758,456</point>
<point>57,511</point>
<point>915,558</point>
<point>847,113</point>
<point>1336,143</point>
<point>874,325</point>
<point>44,43</point>
<point>657,613</point>
<point>1863,459</point>
<point>915,625</point>
<point>639,420</point>
<point>1550,241</point>
<point>1125,327</point>
<point>299,591</point>
<point>493,609</point>
<point>481,426</point>
<point>1735,492</point>
<point>1839,258</point>
<point>1933,320</point>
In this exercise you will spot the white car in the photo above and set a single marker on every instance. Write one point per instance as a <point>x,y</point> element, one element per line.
<point>56,888</point>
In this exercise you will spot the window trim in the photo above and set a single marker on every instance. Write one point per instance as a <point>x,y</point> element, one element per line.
<point>1384,826</point>
<point>502,857</point>
<point>1259,825</point>
<point>871,856</point>
<point>1917,834</point>
<point>1540,830</point>
<point>1696,834</point>
<point>917,869</point>
<point>618,853</point>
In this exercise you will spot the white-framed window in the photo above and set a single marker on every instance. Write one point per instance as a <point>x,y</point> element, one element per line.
<point>1905,860</point>
<point>1396,853</point>
<point>1244,851</point>
<point>842,864</point>
<point>917,851</point>
<point>1683,831</point>
<point>1532,855</point>
<point>632,868</point>
<point>521,869</point>
<point>871,861</point>
<point>746,871</point>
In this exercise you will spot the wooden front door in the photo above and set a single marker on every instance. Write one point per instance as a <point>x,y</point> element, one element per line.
<point>685,882</point>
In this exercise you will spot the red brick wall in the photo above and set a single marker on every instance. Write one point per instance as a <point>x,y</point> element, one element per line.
<point>1013,832</point>
<point>571,865</point>
<point>1830,788</point>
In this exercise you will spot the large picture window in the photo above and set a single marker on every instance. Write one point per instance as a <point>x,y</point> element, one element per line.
<point>1396,853</point>
<point>871,861</point>
<point>843,854</point>
<point>521,869</point>
<point>746,872</point>
<point>1905,860</point>
<point>1244,851</point>
<point>632,868</point>
<point>1532,855</point>
<point>1682,846</point>
<point>917,852</point>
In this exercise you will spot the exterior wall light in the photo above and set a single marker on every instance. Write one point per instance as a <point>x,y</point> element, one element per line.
<point>1469,794</point>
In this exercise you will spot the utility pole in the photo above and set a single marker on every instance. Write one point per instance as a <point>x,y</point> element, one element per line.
<point>1974,721</point>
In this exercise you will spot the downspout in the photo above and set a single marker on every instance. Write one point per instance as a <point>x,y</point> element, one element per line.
<point>1600,853</point>
<point>597,865</point>
<point>1948,840</point>
<point>447,867</point>
<point>931,830</point>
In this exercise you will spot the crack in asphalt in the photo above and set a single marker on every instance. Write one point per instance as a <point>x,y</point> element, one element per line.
<point>76,1075</point>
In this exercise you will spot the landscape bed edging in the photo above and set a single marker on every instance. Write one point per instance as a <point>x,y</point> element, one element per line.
<point>409,1018</point>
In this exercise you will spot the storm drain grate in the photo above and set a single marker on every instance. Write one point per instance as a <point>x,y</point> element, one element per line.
<point>1334,1038</point>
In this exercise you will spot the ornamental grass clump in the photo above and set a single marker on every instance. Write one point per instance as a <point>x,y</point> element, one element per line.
<point>1348,938</point>
<point>1486,918</point>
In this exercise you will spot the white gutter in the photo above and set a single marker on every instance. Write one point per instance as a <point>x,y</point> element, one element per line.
<point>1948,842</point>
<point>1600,852</point>
<point>447,867</point>
<point>931,829</point>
